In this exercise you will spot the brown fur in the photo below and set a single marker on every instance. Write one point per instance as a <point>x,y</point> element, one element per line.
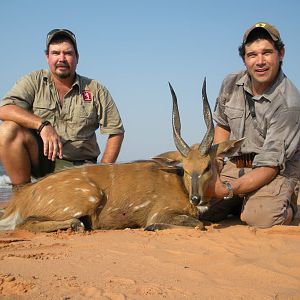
<point>112,196</point>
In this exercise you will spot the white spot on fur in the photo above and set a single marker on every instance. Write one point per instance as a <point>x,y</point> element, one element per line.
<point>77,214</point>
<point>153,217</point>
<point>115,209</point>
<point>130,204</point>
<point>92,184</point>
<point>142,205</point>
<point>92,199</point>
<point>66,209</point>
<point>76,178</point>
<point>154,196</point>
<point>82,190</point>
<point>167,207</point>
<point>10,222</point>
<point>50,201</point>
<point>202,209</point>
<point>49,187</point>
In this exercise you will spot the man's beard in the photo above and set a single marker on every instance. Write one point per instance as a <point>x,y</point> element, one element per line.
<point>65,73</point>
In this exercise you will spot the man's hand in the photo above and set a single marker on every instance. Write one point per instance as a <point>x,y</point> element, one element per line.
<point>216,189</point>
<point>51,141</point>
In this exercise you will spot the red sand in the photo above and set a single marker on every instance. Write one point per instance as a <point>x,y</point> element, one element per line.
<point>228,261</point>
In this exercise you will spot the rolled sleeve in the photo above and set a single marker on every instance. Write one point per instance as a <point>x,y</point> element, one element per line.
<point>219,115</point>
<point>228,110</point>
<point>110,120</point>
<point>282,139</point>
<point>22,93</point>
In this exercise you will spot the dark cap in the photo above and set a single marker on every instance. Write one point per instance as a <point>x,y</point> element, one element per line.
<point>64,32</point>
<point>272,31</point>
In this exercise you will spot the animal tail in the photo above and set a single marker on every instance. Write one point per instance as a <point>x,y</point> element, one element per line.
<point>10,222</point>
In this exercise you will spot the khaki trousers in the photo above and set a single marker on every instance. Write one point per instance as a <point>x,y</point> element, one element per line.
<point>262,208</point>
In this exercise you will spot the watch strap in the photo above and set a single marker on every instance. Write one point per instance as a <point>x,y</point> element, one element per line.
<point>43,124</point>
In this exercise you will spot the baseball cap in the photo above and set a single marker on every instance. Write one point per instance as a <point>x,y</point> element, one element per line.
<point>272,31</point>
<point>51,34</point>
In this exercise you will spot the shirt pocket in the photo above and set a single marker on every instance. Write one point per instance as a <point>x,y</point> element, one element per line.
<point>83,123</point>
<point>234,116</point>
<point>45,110</point>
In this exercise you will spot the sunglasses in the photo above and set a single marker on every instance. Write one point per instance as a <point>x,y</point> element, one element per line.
<point>54,31</point>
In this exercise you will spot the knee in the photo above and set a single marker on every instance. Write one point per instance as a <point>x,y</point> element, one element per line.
<point>9,132</point>
<point>256,220</point>
<point>262,218</point>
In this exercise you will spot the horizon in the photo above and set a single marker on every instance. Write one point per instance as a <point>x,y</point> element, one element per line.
<point>135,48</point>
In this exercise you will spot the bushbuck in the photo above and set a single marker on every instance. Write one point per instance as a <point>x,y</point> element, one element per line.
<point>154,194</point>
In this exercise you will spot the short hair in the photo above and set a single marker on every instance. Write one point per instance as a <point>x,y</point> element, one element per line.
<point>59,38</point>
<point>259,33</point>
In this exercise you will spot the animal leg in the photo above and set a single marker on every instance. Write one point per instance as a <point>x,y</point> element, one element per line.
<point>41,225</point>
<point>176,222</point>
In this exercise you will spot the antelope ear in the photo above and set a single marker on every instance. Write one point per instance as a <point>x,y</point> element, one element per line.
<point>171,158</point>
<point>228,148</point>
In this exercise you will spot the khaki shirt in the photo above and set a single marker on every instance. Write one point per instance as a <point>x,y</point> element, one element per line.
<point>275,133</point>
<point>86,106</point>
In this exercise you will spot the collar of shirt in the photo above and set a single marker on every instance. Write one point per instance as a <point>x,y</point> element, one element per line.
<point>48,80</point>
<point>270,93</point>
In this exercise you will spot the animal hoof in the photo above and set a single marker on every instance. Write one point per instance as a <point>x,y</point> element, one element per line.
<point>151,227</point>
<point>157,226</point>
<point>200,227</point>
<point>77,226</point>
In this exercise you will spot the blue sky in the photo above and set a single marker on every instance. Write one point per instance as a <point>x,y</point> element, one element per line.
<point>134,47</point>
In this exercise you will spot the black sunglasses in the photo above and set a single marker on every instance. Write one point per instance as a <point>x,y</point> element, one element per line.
<point>54,31</point>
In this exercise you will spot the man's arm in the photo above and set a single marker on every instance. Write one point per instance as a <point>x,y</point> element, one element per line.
<point>20,116</point>
<point>247,183</point>
<point>112,148</point>
<point>221,134</point>
<point>26,119</point>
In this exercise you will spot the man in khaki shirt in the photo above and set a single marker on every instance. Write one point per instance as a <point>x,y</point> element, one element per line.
<point>262,105</point>
<point>50,116</point>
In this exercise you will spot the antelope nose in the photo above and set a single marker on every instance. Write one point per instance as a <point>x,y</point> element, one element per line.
<point>195,200</point>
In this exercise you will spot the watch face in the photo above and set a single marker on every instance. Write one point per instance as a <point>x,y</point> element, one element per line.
<point>230,190</point>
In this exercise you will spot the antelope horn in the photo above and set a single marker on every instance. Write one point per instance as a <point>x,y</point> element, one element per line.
<point>209,135</point>
<point>180,144</point>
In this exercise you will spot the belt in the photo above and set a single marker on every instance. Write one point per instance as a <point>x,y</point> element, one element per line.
<point>244,160</point>
<point>64,163</point>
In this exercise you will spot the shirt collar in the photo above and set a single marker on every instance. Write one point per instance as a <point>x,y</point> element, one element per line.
<point>47,79</point>
<point>270,93</point>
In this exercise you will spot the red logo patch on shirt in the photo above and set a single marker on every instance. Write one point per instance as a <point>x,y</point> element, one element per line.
<point>87,96</point>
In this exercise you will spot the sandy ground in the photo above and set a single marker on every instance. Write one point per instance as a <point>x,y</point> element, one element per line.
<point>227,261</point>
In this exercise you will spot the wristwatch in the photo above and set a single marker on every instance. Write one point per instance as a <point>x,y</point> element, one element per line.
<point>43,124</point>
<point>230,190</point>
